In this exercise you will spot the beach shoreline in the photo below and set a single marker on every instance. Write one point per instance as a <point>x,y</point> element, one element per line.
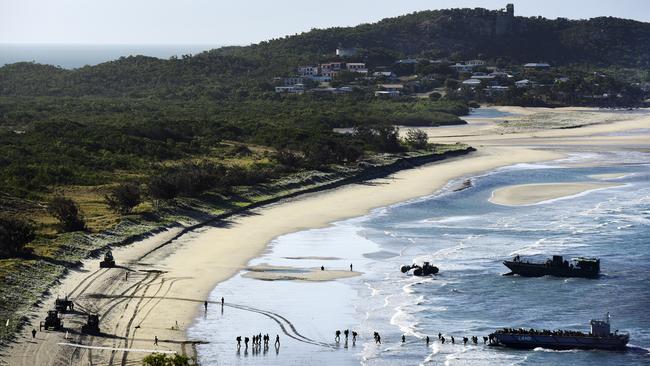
<point>191,265</point>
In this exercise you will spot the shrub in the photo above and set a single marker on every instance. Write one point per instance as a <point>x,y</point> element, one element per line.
<point>14,234</point>
<point>67,212</point>
<point>123,198</point>
<point>417,139</point>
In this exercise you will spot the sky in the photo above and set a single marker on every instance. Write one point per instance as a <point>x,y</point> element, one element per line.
<point>241,22</point>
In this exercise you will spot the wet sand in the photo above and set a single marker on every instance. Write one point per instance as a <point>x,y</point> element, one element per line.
<point>165,289</point>
<point>529,194</point>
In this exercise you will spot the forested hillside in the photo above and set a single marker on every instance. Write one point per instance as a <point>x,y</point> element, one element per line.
<point>244,72</point>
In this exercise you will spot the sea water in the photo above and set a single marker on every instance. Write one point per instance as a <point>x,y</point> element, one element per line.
<point>467,237</point>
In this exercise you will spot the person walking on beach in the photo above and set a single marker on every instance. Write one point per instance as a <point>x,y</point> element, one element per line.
<point>378,339</point>
<point>221,301</point>
<point>246,342</point>
<point>33,332</point>
<point>277,341</point>
<point>403,338</point>
<point>350,267</point>
<point>428,340</point>
<point>346,333</point>
<point>205,305</point>
<point>337,337</point>
<point>354,336</point>
<point>155,340</point>
<point>322,268</point>
<point>238,339</point>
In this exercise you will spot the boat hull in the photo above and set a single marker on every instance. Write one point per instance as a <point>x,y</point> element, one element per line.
<point>522,341</point>
<point>539,270</point>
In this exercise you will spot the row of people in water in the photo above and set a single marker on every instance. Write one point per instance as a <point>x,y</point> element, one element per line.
<point>258,340</point>
<point>377,338</point>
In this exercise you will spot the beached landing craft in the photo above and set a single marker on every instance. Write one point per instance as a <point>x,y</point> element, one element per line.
<point>579,267</point>
<point>600,337</point>
<point>425,269</point>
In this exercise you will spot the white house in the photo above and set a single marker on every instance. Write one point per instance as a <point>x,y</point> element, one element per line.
<point>358,67</point>
<point>293,81</point>
<point>474,62</point>
<point>387,93</point>
<point>462,67</point>
<point>291,89</point>
<point>308,70</point>
<point>523,83</point>
<point>472,82</point>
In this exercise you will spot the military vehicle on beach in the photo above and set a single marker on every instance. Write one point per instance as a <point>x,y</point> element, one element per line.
<point>578,267</point>
<point>600,337</point>
<point>108,262</point>
<point>92,325</point>
<point>63,305</point>
<point>51,321</point>
<point>426,269</point>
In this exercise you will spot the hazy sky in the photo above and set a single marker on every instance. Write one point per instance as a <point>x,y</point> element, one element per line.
<point>242,21</point>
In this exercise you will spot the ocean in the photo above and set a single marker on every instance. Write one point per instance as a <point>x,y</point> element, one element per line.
<point>70,56</point>
<point>467,237</point>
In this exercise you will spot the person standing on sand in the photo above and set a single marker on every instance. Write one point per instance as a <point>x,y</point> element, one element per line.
<point>403,338</point>
<point>221,301</point>
<point>205,305</point>
<point>246,342</point>
<point>337,337</point>
<point>155,340</point>
<point>346,333</point>
<point>322,268</point>
<point>354,336</point>
<point>33,332</point>
<point>238,339</point>
<point>277,341</point>
<point>350,267</point>
<point>428,340</point>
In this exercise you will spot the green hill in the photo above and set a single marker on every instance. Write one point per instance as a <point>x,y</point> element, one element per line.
<point>456,34</point>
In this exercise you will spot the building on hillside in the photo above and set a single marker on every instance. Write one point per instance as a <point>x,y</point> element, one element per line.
<point>474,62</point>
<point>331,69</point>
<point>537,65</point>
<point>408,61</point>
<point>523,83</point>
<point>391,90</point>
<point>291,89</point>
<point>321,78</point>
<point>496,90</point>
<point>308,70</point>
<point>384,74</point>
<point>293,80</point>
<point>358,67</point>
<point>346,52</point>
<point>387,93</point>
<point>471,83</point>
<point>462,67</point>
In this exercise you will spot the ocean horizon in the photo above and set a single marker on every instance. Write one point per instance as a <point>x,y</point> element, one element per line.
<point>72,56</point>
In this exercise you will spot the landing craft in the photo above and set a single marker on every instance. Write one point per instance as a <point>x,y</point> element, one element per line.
<point>600,337</point>
<point>578,267</point>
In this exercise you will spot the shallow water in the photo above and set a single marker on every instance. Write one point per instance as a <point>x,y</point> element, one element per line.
<point>467,237</point>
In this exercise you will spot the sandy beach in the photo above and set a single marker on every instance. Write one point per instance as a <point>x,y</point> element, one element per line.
<point>167,285</point>
<point>528,194</point>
